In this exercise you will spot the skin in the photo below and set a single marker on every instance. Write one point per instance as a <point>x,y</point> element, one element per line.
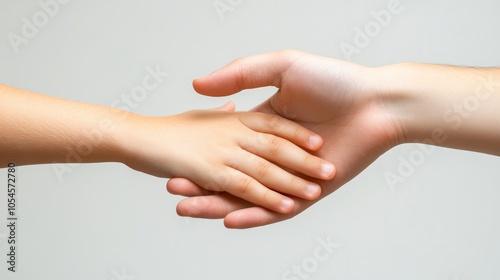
<point>249,155</point>
<point>360,112</point>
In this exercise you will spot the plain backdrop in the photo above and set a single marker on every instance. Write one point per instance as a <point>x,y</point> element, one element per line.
<point>105,221</point>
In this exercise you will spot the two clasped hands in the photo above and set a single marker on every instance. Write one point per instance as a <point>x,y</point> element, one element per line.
<point>328,120</point>
<point>344,119</point>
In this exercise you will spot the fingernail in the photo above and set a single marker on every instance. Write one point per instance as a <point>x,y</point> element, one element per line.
<point>312,190</point>
<point>286,204</point>
<point>314,140</point>
<point>327,169</point>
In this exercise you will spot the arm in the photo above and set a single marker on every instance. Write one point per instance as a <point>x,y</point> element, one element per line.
<point>360,112</point>
<point>42,129</point>
<point>242,153</point>
<point>449,106</point>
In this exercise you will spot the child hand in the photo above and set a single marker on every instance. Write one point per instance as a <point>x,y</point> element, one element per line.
<point>246,154</point>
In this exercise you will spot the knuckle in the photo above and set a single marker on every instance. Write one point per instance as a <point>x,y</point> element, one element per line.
<point>263,168</point>
<point>289,55</point>
<point>288,52</point>
<point>274,122</point>
<point>247,144</point>
<point>261,139</point>
<point>240,75</point>
<point>244,185</point>
<point>223,181</point>
<point>239,79</point>
<point>276,145</point>
<point>310,161</point>
<point>267,196</point>
<point>294,181</point>
<point>298,133</point>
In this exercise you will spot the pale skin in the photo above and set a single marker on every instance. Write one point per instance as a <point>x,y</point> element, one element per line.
<point>250,155</point>
<point>360,112</point>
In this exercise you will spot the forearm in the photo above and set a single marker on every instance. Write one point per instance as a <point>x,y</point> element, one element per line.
<point>449,106</point>
<point>36,128</point>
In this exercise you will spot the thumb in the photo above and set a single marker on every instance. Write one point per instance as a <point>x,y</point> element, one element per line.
<point>228,107</point>
<point>245,73</point>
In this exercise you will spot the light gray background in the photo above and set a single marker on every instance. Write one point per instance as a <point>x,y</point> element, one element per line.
<point>104,221</point>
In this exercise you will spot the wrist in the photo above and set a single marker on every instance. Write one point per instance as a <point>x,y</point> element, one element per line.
<point>410,102</point>
<point>123,138</point>
<point>142,145</point>
<point>387,103</point>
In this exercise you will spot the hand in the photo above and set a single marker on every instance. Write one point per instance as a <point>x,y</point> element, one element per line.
<point>240,153</point>
<point>338,100</point>
<point>244,154</point>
